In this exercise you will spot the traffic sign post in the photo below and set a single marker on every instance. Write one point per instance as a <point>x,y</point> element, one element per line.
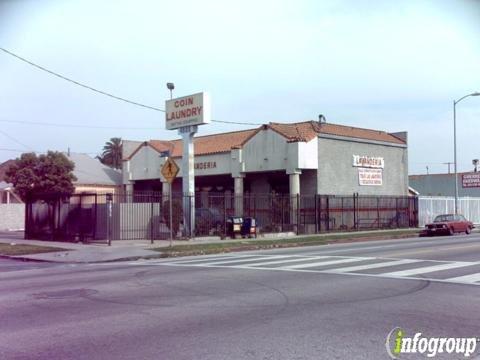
<point>169,171</point>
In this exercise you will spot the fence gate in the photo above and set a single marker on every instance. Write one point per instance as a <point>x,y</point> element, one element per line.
<point>57,217</point>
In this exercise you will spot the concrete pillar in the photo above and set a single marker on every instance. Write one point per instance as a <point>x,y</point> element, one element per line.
<point>294,182</point>
<point>238,183</point>
<point>188,179</point>
<point>204,196</point>
<point>166,188</point>
<point>129,191</point>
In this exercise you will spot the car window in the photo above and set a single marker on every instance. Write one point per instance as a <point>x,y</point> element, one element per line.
<point>442,218</point>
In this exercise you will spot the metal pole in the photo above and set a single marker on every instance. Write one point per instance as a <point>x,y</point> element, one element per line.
<point>170,212</point>
<point>455,144</point>
<point>151,219</point>
<point>109,223</point>
<point>455,155</point>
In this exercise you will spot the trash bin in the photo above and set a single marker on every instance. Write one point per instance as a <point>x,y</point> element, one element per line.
<point>249,227</point>
<point>234,226</point>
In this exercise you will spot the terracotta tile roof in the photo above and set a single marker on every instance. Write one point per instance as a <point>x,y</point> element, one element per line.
<point>306,131</point>
<point>208,144</point>
<point>303,131</point>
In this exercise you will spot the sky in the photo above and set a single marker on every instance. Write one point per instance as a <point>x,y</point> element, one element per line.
<point>386,65</point>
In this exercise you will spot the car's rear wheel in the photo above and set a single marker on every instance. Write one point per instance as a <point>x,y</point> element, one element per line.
<point>451,231</point>
<point>469,230</point>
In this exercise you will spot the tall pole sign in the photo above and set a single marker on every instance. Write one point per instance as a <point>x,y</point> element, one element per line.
<point>185,114</point>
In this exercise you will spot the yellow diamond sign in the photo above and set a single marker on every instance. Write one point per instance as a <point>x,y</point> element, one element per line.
<point>170,170</point>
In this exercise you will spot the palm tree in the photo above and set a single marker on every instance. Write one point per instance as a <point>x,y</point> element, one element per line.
<point>112,153</point>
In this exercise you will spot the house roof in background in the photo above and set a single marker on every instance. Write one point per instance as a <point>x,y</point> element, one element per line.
<point>4,167</point>
<point>4,185</point>
<point>90,171</point>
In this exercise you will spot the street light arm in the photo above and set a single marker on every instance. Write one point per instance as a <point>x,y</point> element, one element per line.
<point>455,145</point>
<point>472,94</point>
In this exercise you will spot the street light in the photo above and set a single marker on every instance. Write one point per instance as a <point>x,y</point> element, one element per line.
<point>455,144</point>
<point>170,86</point>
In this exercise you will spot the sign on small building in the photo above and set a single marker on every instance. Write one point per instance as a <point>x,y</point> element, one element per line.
<point>370,177</point>
<point>368,161</point>
<point>471,180</point>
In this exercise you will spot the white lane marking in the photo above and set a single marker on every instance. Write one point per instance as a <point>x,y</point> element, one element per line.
<point>297,259</point>
<point>373,266</point>
<point>463,280</point>
<point>380,276</point>
<point>473,278</point>
<point>324,263</point>
<point>428,269</point>
<point>400,246</point>
<point>214,258</point>
<point>214,263</point>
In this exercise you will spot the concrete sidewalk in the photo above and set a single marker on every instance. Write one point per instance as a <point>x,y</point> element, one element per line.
<point>133,249</point>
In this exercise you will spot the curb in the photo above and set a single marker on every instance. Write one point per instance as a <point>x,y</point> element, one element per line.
<point>25,259</point>
<point>199,252</point>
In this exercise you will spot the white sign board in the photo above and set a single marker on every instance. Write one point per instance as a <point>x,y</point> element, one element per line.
<point>368,161</point>
<point>186,111</point>
<point>370,177</point>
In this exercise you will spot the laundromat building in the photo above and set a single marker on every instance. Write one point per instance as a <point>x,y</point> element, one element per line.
<point>320,176</point>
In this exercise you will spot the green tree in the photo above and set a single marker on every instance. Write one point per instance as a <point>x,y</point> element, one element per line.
<point>112,153</point>
<point>32,175</point>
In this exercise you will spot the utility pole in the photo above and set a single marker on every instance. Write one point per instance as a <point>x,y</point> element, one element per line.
<point>448,163</point>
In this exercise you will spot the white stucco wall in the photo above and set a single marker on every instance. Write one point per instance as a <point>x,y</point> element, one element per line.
<point>308,154</point>
<point>12,217</point>
<point>266,151</point>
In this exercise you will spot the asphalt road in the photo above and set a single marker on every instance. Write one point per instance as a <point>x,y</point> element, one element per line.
<point>324,302</point>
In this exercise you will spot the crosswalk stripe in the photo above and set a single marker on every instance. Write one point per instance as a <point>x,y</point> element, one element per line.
<point>225,257</point>
<point>306,263</point>
<point>324,263</point>
<point>472,278</point>
<point>427,269</point>
<point>298,259</point>
<point>242,260</point>
<point>373,266</point>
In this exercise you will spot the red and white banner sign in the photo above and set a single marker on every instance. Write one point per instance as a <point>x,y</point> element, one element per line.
<point>471,180</point>
<point>370,177</point>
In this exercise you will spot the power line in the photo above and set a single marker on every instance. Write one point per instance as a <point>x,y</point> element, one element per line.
<point>77,126</point>
<point>44,152</point>
<point>78,83</point>
<point>233,122</point>
<point>15,140</point>
<point>101,91</point>
<point>13,150</point>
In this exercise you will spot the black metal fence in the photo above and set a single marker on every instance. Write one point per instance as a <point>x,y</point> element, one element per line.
<point>102,217</point>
